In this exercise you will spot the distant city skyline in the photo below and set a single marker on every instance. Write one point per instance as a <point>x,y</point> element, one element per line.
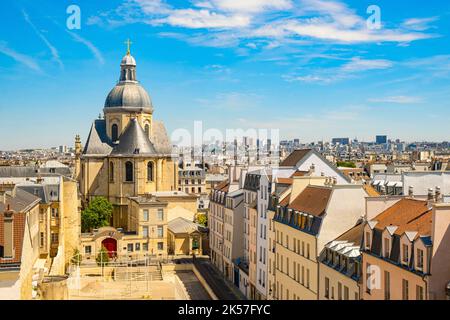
<point>261,64</point>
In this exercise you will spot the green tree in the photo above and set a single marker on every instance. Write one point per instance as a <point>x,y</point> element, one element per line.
<point>102,257</point>
<point>202,219</point>
<point>97,214</point>
<point>346,164</point>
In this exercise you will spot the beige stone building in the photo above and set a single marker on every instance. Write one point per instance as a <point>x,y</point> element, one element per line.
<point>128,159</point>
<point>19,242</point>
<point>316,212</point>
<point>340,266</point>
<point>405,251</point>
<point>127,153</point>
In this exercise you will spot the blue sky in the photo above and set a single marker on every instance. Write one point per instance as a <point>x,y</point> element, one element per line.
<point>311,68</point>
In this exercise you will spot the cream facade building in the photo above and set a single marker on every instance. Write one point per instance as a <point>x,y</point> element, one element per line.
<point>128,159</point>
<point>316,212</point>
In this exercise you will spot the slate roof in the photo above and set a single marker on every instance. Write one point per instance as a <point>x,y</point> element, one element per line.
<point>134,140</point>
<point>21,201</point>
<point>31,171</point>
<point>98,142</point>
<point>182,225</point>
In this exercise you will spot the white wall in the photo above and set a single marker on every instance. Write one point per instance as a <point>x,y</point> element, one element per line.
<point>321,166</point>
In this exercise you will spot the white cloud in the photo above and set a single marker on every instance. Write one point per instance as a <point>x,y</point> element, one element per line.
<point>353,68</point>
<point>19,57</point>
<point>419,24</point>
<point>249,6</point>
<point>95,51</point>
<point>280,20</point>
<point>398,100</point>
<point>357,64</point>
<point>53,50</point>
<point>197,19</point>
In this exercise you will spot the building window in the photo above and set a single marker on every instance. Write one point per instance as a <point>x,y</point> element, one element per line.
<point>55,212</point>
<point>145,246</point>
<point>405,253</point>
<point>419,259</point>
<point>137,246</point>
<point>160,245</point>
<point>346,295</point>
<point>128,171</point>
<point>145,231</point>
<point>150,169</point>
<point>160,231</point>
<point>87,250</point>
<point>160,214</point>
<point>387,246</point>
<point>41,242</point>
<point>147,129</point>
<point>145,215</point>
<point>405,289</point>
<point>339,291</point>
<point>111,172</point>
<point>367,242</point>
<point>114,132</point>
<point>419,292</point>
<point>130,247</point>
<point>327,288</point>
<point>387,286</point>
<point>54,238</point>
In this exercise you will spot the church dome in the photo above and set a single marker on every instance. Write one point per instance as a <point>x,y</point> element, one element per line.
<point>128,94</point>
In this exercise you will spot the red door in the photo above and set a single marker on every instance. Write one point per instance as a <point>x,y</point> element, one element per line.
<point>111,245</point>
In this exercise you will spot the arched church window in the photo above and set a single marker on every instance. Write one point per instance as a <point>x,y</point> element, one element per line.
<point>115,132</point>
<point>128,171</point>
<point>150,170</point>
<point>147,130</point>
<point>111,172</point>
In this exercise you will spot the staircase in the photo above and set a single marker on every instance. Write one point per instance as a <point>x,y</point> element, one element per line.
<point>150,273</point>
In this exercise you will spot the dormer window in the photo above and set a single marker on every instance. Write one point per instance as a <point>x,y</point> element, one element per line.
<point>367,241</point>
<point>405,253</point>
<point>419,259</point>
<point>386,247</point>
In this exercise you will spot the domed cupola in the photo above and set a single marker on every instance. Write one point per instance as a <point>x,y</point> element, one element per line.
<point>128,95</point>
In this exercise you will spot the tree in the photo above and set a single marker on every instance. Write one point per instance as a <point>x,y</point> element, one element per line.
<point>346,164</point>
<point>97,214</point>
<point>102,257</point>
<point>202,219</point>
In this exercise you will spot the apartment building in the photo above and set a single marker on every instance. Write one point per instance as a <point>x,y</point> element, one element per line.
<point>405,251</point>
<point>19,242</point>
<point>317,211</point>
<point>233,233</point>
<point>251,188</point>
<point>340,266</point>
<point>215,222</point>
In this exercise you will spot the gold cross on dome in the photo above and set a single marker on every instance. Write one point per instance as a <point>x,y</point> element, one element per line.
<point>128,43</point>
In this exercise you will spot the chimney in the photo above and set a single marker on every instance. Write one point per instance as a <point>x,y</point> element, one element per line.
<point>411,191</point>
<point>430,194</point>
<point>8,233</point>
<point>438,195</point>
<point>7,187</point>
